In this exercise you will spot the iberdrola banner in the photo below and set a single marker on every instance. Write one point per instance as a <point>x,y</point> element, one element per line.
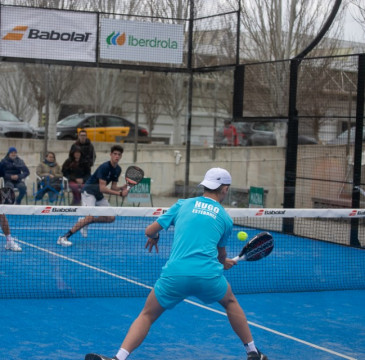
<point>141,41</point>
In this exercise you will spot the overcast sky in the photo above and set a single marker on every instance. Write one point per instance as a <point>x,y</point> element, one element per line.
<point>353,30</point>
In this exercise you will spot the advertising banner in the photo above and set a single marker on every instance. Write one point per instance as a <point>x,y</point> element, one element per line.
<point>256,197</point>
<point>141,41</point>
<point>48,34</point>
<point>140,193</point>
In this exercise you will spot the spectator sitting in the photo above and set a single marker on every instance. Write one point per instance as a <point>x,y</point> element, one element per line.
<point>230,133</point>
<point>87,148</point>
<point>15,171</point>
<point>51,177</point>
<point>77,171</point>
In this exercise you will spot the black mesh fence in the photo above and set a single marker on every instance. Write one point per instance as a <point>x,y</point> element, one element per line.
<point>154,92</point>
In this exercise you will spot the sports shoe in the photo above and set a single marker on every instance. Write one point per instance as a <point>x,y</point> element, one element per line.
<point>12,245</point>
<point>83,230</point>
<point>98,357</point>
<point>256,355</point>
<point>63,241</point>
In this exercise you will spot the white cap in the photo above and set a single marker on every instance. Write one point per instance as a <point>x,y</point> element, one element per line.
<point>216,177</point>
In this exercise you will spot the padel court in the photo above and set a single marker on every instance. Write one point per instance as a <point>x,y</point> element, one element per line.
<point>304,301</point>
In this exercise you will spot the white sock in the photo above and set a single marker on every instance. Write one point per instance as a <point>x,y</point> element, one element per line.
<point>250,347</point>
<point>122,354</point>
<point>8,237</point>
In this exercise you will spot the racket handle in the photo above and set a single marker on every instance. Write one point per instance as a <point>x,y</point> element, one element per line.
<point>238,258</point>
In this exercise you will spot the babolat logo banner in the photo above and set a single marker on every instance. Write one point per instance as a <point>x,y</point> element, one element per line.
<point>141,41</point>
<point>48,34</point>
<point>51,209</point>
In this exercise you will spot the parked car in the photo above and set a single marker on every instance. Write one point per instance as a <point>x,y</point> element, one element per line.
<point>99,127</point>
<point>345,138</point>
<point>258,134</point>
<point>11,126</point>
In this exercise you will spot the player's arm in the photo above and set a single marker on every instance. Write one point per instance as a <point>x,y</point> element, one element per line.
<point>152,232</point>
<point>222,258</point>
<point>122,190</point>
<point>105,190</point>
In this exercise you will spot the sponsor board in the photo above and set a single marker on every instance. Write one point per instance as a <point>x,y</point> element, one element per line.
<point>141,193</point>
<point>48,34</point>
<point>141,41</point>
<point>51,209</point>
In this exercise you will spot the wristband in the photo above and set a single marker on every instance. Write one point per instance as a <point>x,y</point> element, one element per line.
<point>157,237</point>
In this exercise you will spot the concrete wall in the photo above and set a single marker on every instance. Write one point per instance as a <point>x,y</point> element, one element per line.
<point>249,166</point>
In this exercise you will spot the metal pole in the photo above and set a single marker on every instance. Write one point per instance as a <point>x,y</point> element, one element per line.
<point>136,121</point>
<point>360,102</point>
<point>46,125</point>
<point>190,100</point>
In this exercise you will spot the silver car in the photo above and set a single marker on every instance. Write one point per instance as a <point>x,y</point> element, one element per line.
<point>346,137</point>
<point>11,126</point>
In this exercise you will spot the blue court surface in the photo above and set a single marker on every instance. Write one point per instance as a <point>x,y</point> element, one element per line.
<point>61,303</point>
<point>321,325</point>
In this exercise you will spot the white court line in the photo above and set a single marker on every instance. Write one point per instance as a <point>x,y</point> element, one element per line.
<point>187,301</point>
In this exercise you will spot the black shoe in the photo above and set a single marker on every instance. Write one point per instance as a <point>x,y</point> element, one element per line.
<point>98,357</point>
<point>250,356</point>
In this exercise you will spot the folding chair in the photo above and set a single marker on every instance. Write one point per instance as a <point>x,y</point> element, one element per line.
<point>44,186</point>
<point>67,190</point>
<point>2,184</point>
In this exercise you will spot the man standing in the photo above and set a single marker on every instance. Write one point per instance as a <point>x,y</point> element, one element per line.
<point>230,133</point>
<point>15,171</point>
<point>195,266</point>
<point>87,148</point>
<point>93,193</point>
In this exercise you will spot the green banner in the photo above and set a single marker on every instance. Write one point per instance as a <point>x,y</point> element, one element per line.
<point>256,197</point>
<point>141,192</point>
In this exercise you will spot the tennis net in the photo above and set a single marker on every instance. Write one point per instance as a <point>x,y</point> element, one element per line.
<point>314,255</point>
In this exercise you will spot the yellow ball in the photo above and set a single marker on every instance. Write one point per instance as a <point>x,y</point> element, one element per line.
<point>242,236</point>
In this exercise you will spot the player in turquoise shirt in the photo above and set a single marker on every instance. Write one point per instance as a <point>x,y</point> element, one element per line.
<point>195,266</point>
<point>201,226</point>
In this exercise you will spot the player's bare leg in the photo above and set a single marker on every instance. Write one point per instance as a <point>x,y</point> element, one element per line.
<point>90,220</point>
<point>236,316</point>
<point>141,326</point>
<point>4,225</point>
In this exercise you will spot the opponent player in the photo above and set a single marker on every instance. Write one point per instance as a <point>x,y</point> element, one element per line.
<point>10,241</point>
<point>4,224</point>
<point>92,193</point>
<point>195,266</point>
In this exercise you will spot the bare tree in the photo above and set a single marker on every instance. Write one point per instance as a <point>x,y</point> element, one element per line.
<point>174,90</point>
<point>360,16</point>
<point>102,90</point>
<point>130,7</point>
<point>151,87</point>
<point>15,93</point>
<point>36,77</point>
<point>274,30</point>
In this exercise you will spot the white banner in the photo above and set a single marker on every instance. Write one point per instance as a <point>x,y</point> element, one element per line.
<point>48,210</point>
<point>48,34</point>
<point>141,41</point>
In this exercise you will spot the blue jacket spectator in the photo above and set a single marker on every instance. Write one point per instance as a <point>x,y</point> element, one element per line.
<point>14,172</point>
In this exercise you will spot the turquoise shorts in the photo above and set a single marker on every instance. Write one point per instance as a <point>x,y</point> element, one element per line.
<point>172,290</point>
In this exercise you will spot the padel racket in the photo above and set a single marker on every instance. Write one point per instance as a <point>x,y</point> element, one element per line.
<point>97,357</point>
<point>7,196</point>
<point>133,176</point>
<point>257,248</point>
